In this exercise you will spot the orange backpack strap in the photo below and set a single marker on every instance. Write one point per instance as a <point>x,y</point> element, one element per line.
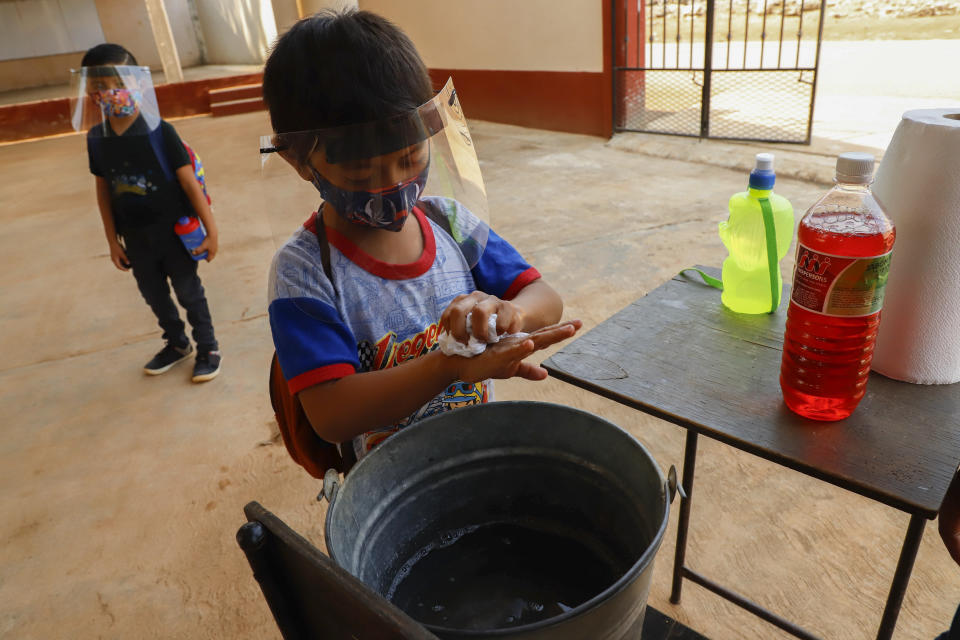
<point>307,449</point>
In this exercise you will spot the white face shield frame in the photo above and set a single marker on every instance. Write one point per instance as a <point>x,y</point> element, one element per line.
<point>369,173</point>
<point>116,94</point>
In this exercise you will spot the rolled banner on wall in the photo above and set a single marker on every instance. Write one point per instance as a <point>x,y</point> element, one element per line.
<point>918,184</point>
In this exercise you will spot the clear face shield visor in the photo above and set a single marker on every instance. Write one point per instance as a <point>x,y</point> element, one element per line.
<point>379,175</point>
<point>353,287</point>
<point>111,96</point>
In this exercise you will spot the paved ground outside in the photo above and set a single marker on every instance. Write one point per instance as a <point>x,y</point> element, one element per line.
<point>122,493</point>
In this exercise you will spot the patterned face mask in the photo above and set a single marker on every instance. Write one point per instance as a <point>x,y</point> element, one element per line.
<point>383,209</point>
<point>118,102</point>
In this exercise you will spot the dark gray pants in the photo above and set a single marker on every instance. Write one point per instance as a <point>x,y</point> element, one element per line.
<point>156,254</point>
<point>954,632</point>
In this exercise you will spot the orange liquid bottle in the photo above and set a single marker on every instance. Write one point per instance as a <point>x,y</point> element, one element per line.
<point>844,244</point>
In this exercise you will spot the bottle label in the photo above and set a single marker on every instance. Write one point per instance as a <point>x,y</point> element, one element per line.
<point>839,286</point>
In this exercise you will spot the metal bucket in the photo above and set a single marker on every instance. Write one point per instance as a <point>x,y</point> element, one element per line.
<point>541,466</point>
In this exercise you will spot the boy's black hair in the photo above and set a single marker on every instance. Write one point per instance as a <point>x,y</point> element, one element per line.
<point>107,53</point>
<point>342,67</point>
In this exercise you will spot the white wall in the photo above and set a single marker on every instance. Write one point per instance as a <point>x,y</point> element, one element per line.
<point>523,35</point>
<point>124,22</point>
<point>312,6</point>
<point>35,28</point>
<point>184,31</point>
<point>286,11</point>
<point>532,35</point>
<point>237,31</point>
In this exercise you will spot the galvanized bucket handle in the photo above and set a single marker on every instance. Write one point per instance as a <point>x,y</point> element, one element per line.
<point>673,485</point>
<point>331,486</point>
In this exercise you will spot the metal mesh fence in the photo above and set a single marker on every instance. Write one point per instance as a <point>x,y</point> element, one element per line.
<point>759,56</point>
<point>749,105</point>
<point>660,101</point>
<point>760,105</point>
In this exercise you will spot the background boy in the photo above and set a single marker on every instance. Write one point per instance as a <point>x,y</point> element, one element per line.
<point>392,267</point>
<point>139,207</point>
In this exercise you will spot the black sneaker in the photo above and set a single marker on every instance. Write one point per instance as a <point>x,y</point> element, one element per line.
<point>166,358</point>
<point>207,366</point>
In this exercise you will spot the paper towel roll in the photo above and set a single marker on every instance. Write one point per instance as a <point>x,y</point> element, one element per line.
<point>918,185</point>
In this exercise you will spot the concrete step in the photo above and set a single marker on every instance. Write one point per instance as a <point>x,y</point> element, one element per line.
<point>814,163</point>
<point>227,94</point>
<point>232,107</point>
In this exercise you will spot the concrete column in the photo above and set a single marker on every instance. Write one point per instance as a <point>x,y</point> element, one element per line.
<point>286,12</point>
<point>163,36</point>
<point>310,7</point>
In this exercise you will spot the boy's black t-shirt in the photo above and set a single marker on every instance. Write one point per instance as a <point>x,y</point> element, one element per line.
<point>140,193</point>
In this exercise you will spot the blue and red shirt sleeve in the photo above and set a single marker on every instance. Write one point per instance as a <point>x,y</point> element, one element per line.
<point>313,342</point>
<point>501,270</point>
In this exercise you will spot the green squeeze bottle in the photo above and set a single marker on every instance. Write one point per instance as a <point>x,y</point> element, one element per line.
<point>757,236</point>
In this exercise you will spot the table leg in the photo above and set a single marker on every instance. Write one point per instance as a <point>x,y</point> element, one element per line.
<point>901,577</point>
<point>689,466</point>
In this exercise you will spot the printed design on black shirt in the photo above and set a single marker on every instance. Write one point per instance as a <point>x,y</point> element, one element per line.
<point>137,185</point>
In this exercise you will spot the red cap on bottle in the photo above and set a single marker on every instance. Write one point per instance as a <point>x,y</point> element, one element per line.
<point>186,224</point>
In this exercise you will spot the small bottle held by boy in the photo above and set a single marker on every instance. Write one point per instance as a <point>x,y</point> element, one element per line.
<point>145,182</point>
<point>360,294</point>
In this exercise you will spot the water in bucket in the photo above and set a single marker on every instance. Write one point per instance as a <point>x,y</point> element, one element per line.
<point>498,576</point>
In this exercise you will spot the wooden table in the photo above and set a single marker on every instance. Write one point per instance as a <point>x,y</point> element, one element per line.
<point>679,355</point>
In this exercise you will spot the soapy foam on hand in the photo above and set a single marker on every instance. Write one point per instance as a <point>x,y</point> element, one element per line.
<point>450,346</point>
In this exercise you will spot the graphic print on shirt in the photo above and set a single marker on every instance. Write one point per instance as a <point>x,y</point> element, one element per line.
<point>455,396</point>
<point>129,181</point>
<point>137,185</point>
<point>389,352</point>
<point>367,318</point>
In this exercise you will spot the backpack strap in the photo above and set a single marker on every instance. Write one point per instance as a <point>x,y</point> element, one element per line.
<point>430,211</point>
<point>324,247</point>
<point>436,215</point>
<point>156,142</point>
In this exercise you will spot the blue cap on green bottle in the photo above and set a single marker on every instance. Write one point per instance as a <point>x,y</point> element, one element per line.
<point>762,177</point>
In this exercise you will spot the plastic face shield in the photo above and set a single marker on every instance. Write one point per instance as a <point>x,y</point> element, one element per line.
<point>423,158</point>
<point>359,307</point>
<point>111,96</point>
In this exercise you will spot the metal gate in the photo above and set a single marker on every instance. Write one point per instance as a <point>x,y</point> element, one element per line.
<point>730,69</point>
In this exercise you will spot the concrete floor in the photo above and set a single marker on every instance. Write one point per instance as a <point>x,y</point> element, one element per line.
<point>122,493</point>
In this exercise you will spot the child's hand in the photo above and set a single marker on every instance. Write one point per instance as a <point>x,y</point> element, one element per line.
<point>505,358</point>
<point>119,257</point>
<point>210,244</point>
<point>510,317</point>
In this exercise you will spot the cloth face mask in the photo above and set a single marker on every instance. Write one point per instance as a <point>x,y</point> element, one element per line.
<point>118,102</point>
<point>384,209</point>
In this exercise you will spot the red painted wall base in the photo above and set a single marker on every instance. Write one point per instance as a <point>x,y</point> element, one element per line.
<point>51,117</point>
<point>575,102</point>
